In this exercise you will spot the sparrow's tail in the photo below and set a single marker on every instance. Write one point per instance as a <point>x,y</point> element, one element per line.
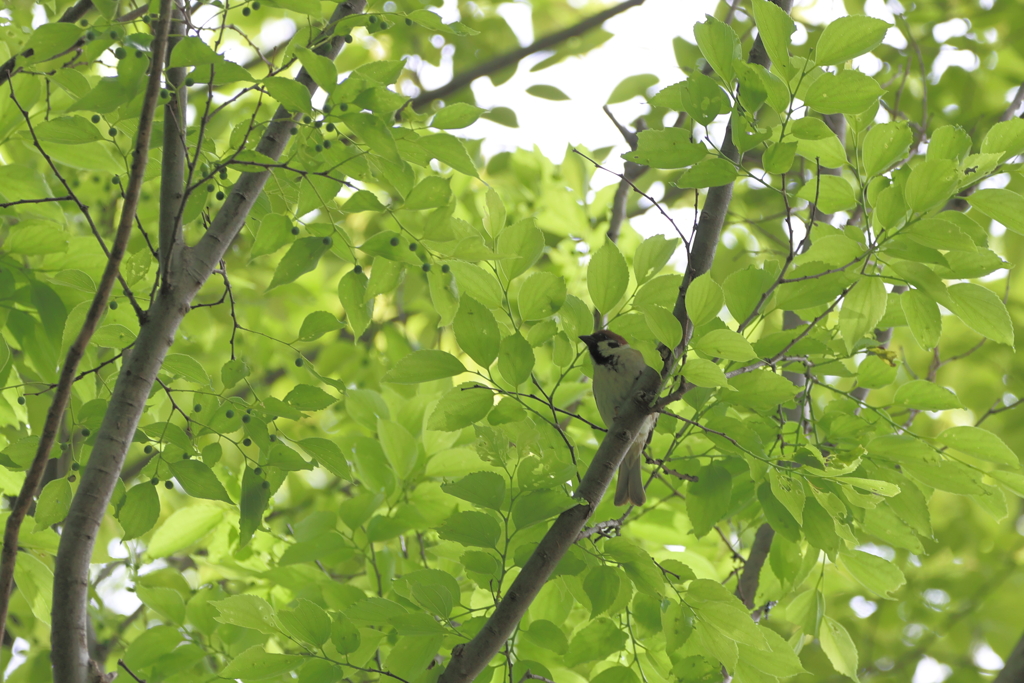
<point>630,488</point>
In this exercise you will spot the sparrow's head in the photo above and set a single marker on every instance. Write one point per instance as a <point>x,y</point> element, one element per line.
<point>604,346</point>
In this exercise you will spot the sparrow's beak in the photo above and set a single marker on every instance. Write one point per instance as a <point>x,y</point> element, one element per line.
<point>587,339</point>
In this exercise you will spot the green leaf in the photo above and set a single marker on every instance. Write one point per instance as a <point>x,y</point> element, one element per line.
<point>275,231</point>
<point>632,86</point>
<point>307,621</point>
<point>707,499</point>
<point>607,277</point>
<point>291,94</point>
<point>708,173</point>
<point>863,307</point>
<point>520,245</point>
<point>140,511</point>
<point>724,344</point>
<point>185,366</point>
<point>719,45</point>
<point>704,300</point>
<point>920,394</point>
<point>778,158</point>
<point>308,397</point>
<point>449,150</point>
<point>484,489</point>
<point>399,447</point>
<point>541,296</point>
<point>166,601</point>
<point>838,647</point>
<point>931,184</point>
<point>596,640</point>
<point>983,311</point>
<point>68,130</point>
<point>53,504</point>
<point>833,193</point>
<point>979,443</point>
<point>666,148</point>
<point>48,41</point>
<point>652,255</point>
<point>358,308</point>
<point>849,92</point>
<point>1005,138</point>
<point>704,373</point>
<point>547,92</point>
<point>879,576</point>
<point>256,664</point>
<point>457,115</point>
<point>477,331</point>
<point>849,37</point>
<point>1005,206</point>
<point>428,19</point>
<point>602,587</point>
<point>923,317</point>
<point>424,366</point>
<point>328,454</point>
<point>317,324</point>
<point>183,529</point>
<point>191,51</point>
<point>515,359</point>
<point>199,481</point>
<point>374,133</point>
<point>774,27</point>
<point>473,529</point>
<point>885,143</point>
<point>321,69</point>
<point>363,200</point>
<point>253,503</point>
<point>460,407</point>
<point>664,325</point>
<point>35,237</point>
<point>502,116</point>
<point>301,258</point>
<point>949,142</point>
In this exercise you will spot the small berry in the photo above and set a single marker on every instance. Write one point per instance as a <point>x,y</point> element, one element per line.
<point>258,471</point>
<point>164,94</point>
<point>295,231</point>
<point>246,418</point>
<point>298,362</point>
<point>319,124</point>
<point>446,268</point>
<point>223,173</point>
<point>72,478</point>
<point>426,267</point>
<point>95,118</point>
<point>273,438</point>
<point>383,25</point>
<point>307,119</point>
<point>373,19</point>
<point>198,408</point>
<point>210,187</point>
<point>256,5</point>
<point>331,128</point>
<point>154,481</point>
<point>246,11</point>
<point>112,132</point>
<point>139,53</point>
<point>21,400</point>
<point>327,144</point>
<point>90,35</point>
<point>343,107</point>
<point>246,441</point>
<point>168,485</point>
<point>319,148</point>
<point>113,35</point>
<point>189,82</point>
<point>120,53</point>
<point>116,180</point>
<point>394,241</point>
<point>83,23</point>
<point>295,130</point>
<point>186,456</point>
<point>229,414</point>
<point>358,269</point>
<point>75,466</point>
<point>64,446</point>
<point>412,246</point>
<point>113,305</point>
<point>220,196</point>
<point>248,411</point>
<point>348,39</point>
<point>86,432</point>
<point>327,241</point>
<point>265,485</point>
<point>327,109</point>
<point>147,450</point>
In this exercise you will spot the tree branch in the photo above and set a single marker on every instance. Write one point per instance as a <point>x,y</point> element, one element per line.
<point>1013,670</point>
<point>750,578</point>
<point>70,656</point>
<point>172,178</point>
<point>62,395</point>
<point>498,63</point>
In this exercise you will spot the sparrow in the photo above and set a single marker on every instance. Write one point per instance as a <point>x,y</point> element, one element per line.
<point>616,368</point>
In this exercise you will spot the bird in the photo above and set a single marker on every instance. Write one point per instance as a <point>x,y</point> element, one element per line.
<point>616,369</point>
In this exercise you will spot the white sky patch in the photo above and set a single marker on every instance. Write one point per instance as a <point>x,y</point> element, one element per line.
<point>931,670</point>
<point>863,607</point>
<point>947,57</point>
<point>986,658</point>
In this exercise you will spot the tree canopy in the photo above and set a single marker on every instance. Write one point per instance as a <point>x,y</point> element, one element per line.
<point>291,380</point>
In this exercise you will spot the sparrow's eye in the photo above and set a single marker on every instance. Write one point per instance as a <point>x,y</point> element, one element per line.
<point>613,345</point>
